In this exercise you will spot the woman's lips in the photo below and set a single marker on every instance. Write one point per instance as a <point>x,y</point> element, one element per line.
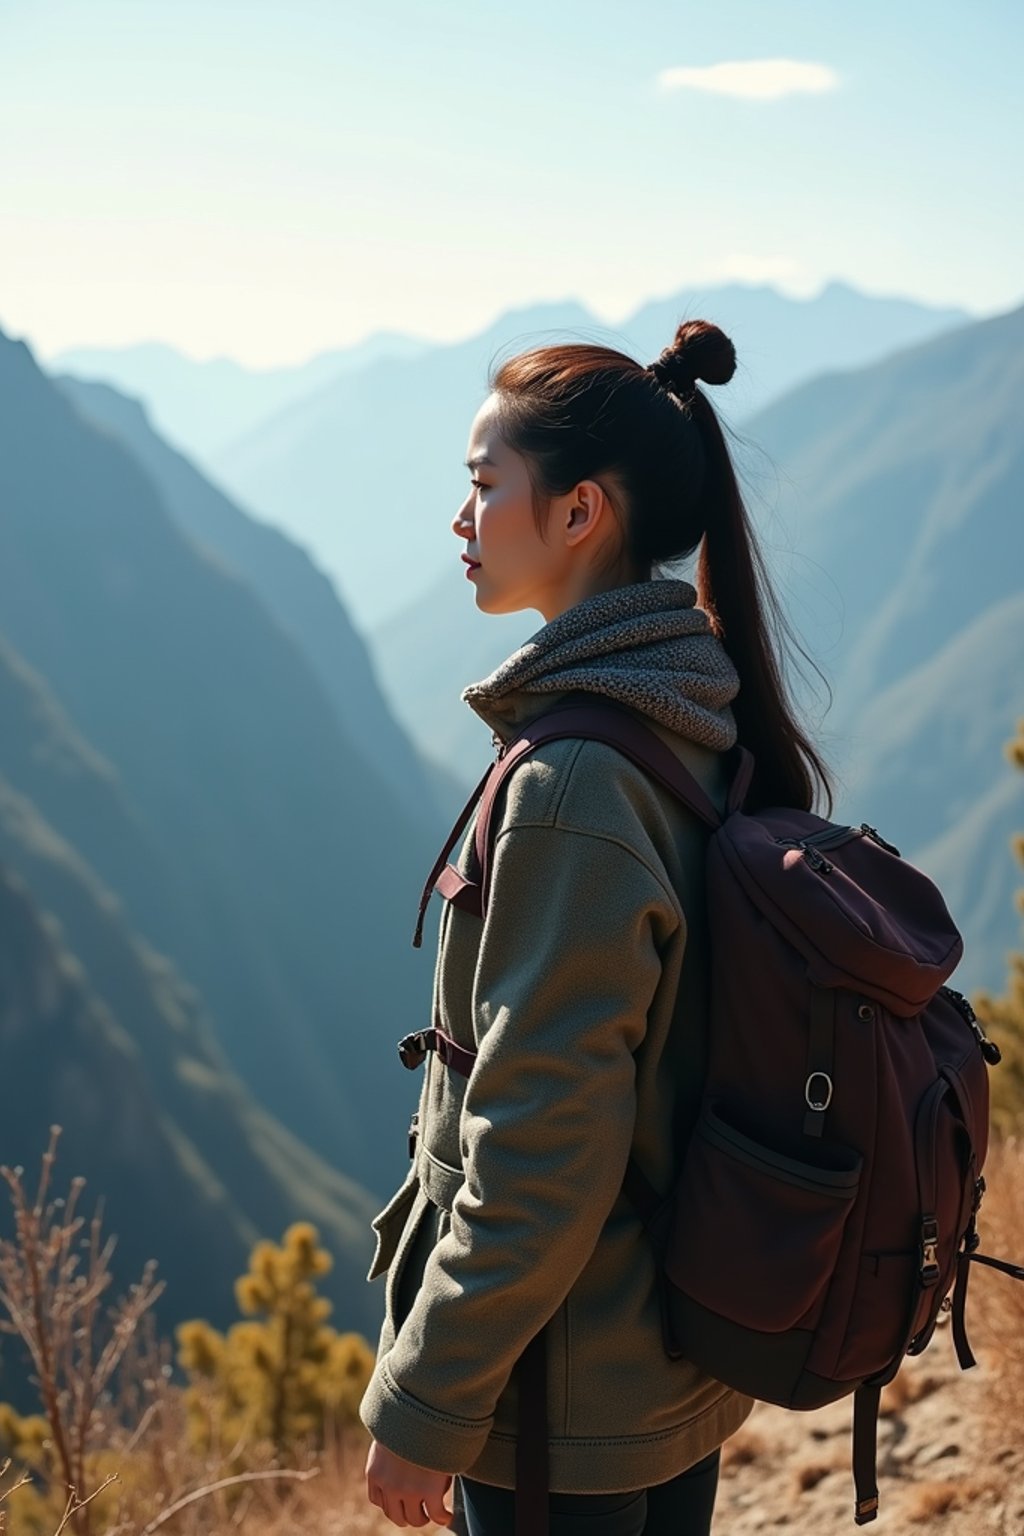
<point>471,565</point>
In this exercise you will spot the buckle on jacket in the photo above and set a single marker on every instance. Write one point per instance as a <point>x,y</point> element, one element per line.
<point>412,1049</point>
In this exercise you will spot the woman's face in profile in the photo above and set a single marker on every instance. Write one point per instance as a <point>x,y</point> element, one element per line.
<point>496,521</point>
<point>516,568</point>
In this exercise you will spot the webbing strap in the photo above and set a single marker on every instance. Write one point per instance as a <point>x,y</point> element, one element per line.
<point>964,1353</point>
<point>865,1452</point>
<point>618,727</point>
<point>532,1440</point>
<point>442,858</point>
<point>1015,1271</point>
<point>601,720</point>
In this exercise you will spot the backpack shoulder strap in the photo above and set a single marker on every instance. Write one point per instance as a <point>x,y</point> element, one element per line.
<point>601,721</point>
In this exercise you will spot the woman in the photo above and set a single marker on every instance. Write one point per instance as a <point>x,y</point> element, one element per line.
<point>582,990</point>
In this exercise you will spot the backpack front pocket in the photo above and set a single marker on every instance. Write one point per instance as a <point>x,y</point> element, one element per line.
<point>770,1224</point>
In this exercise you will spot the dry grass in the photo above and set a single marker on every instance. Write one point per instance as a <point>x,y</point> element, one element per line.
<point>110,1451</point>
<point>995,1304</point>
<point>930,1501</point>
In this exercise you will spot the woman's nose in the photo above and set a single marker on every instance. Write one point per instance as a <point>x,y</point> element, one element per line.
<point>462,523</point>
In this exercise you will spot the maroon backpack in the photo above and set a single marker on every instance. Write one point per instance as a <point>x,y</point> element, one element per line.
<point>825,1204</point>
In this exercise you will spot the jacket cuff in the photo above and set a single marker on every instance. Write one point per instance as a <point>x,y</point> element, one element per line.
<point>417,1432</point>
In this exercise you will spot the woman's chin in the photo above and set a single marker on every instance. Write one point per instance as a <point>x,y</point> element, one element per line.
<point>490,599</point>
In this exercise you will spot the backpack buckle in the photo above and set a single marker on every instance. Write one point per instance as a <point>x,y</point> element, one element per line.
<point>929,1251</point>
<point>412,1049</point>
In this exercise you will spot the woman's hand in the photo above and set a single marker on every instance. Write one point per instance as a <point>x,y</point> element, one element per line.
<point>403,1490</point>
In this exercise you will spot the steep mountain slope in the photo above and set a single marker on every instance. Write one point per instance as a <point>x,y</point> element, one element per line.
<point>282,856</point>
<point>928,756</point>
<point>295,593</point>
<point>190,1167</point>
<point>903,482</point>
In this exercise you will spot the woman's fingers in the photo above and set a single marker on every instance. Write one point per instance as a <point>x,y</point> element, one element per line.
<point>436,1508</point>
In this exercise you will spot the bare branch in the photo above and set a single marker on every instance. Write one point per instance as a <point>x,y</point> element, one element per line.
<point>74,1503</point>
<point>227,1482</point>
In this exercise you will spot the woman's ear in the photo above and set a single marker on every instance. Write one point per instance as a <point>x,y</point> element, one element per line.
<point>587,506</point>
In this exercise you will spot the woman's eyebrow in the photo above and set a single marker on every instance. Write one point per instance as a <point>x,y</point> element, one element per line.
<point>481,458</point>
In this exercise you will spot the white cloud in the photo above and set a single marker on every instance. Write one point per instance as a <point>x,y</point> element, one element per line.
<point>752,79</point>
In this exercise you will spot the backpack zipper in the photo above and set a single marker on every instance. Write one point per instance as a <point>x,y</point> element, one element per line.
<point>989,1049</point>
<point>815,840</point>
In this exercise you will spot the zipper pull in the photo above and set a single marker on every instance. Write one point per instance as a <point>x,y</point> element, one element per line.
<point>877,837</point>
<point>817,860</point>
<point>500,747</point>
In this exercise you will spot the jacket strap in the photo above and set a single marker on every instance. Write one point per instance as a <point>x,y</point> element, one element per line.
<point>413,1049</point>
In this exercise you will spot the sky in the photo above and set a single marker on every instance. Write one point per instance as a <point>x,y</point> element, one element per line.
<point>267,180</point>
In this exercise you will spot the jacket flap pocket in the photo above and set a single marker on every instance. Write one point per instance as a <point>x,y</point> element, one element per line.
<point>440,1181</point>
<point>389,1224</point>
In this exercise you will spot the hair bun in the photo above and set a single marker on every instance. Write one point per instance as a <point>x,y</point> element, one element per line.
<point>700,350</point>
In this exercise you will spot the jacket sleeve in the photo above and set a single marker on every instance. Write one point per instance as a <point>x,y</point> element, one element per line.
<point>568,965</point>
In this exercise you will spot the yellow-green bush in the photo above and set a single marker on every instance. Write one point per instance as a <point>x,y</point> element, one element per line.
<point>1003,1017</point>
<point>283,1375</point>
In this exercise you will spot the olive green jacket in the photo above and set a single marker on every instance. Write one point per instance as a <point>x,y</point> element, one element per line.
<point>584,992</point>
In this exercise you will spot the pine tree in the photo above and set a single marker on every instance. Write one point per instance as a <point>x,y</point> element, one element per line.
<point>1003,1017</point>
<point>283,1375</point>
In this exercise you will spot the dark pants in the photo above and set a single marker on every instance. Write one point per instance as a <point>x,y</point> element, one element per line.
<point>681,1507</point>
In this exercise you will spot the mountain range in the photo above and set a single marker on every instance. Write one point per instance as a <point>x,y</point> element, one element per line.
<point>202,407</point>
<point>365,470</point>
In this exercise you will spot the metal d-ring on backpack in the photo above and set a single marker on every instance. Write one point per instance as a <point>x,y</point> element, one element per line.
<point>825,1205</point>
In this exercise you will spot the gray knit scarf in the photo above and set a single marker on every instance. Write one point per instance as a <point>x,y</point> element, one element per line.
<point>646,645</point>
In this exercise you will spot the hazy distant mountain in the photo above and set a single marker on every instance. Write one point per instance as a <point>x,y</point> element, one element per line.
<point>782,342</point>
<point>888,499</point>
<point>367,472</point>
<point>203,406</point>
<point>298,595</point>
<point>279,860</point>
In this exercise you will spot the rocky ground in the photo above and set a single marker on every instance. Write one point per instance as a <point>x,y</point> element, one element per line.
<point>940,1470</point>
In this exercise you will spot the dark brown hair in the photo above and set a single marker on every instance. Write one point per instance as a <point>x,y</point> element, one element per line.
<point>578,411</point>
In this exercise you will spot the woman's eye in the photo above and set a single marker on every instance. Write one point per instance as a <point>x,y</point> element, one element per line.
<point>479,485</point>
